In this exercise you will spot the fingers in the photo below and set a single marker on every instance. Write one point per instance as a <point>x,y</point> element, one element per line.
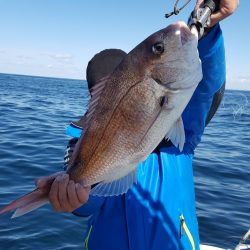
<point>53,195</point>
<point>77,194</point>
<point>63,194</point>
<point>82,193</point>
<point>73,199</point>
<point>226,8</point>
<point>66,196</point>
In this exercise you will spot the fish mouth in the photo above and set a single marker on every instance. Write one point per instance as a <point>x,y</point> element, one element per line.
<point>179,85</point>
<point>167,85</point>
<point>184,33</point>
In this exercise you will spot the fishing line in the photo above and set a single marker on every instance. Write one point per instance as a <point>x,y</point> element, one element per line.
<point>176,10</point>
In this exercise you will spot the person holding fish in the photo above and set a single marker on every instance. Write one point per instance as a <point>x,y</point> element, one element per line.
<point>162,93</point>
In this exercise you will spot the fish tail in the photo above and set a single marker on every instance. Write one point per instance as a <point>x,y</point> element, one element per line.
<point>28,202</point>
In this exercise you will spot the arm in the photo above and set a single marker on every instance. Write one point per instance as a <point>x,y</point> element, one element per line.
<point>212,54</point>
<point>209,92</point>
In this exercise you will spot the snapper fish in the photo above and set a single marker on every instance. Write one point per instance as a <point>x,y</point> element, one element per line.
<point>131,110</point>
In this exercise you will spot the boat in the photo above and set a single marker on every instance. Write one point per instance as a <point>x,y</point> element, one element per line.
<point>242,244</point>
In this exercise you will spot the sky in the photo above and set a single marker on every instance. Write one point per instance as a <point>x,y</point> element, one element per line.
<point>57,38</point>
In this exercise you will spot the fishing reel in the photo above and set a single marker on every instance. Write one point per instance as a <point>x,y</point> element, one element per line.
<point>200,18</point>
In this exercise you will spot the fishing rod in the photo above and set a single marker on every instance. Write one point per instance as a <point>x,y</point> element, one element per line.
<point>200,17</point>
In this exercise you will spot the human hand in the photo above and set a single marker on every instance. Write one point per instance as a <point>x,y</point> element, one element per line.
<point>65,195</point>
<point>226,8</point>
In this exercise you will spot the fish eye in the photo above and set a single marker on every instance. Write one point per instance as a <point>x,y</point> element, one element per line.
<point>158,48</point>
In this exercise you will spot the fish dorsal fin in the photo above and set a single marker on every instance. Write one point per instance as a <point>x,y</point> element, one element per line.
<point>100,67</point>
<point>86,119</point>
<point>96,92</point>
<point>177,134</point>
<point>116,187</point>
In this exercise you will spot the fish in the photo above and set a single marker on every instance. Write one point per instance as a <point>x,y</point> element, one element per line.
<point>131,110</point>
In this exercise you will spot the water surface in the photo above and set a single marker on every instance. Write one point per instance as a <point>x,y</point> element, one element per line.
<point>34,112</point>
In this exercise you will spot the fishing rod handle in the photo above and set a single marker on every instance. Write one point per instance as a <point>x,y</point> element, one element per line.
<point>206,10</point>
<point>213,5</point>
<point>200,18</point>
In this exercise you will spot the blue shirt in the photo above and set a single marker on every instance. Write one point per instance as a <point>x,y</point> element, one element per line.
<point>159,211</point>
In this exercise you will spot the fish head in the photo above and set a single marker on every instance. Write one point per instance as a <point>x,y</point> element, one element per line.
<point>171,57</point>
<point>131,114</point>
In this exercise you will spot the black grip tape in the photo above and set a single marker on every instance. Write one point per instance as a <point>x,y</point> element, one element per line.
<point>213,5</point>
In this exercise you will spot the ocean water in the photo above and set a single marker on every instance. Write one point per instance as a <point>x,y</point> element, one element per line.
<point>34,113</point>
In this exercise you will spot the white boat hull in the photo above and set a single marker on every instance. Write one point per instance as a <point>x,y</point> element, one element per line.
<point>206,247</point>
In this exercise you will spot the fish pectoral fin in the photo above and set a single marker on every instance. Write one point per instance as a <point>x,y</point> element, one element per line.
<point>116,187</point>
<point>177,134</point>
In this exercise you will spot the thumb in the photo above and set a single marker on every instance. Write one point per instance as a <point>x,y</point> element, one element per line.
<point>42,181</point>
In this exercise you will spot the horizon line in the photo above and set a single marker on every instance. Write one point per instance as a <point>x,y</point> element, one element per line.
<point>54,77</point>
<point>79,79</point>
